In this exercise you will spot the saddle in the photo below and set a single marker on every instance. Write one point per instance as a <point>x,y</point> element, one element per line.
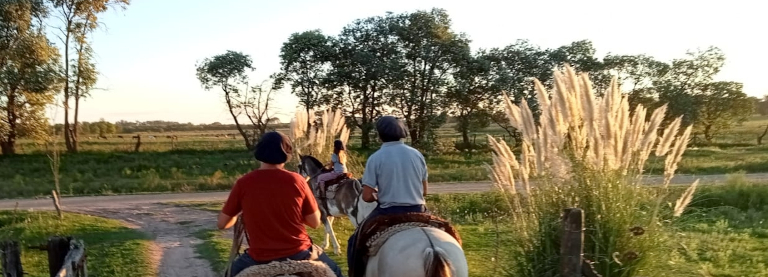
<point>333,182</point>
<point>312,267</point>
<point>379,225</point>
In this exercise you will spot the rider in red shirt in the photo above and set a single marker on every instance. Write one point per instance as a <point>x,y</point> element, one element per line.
<point>276,204</point>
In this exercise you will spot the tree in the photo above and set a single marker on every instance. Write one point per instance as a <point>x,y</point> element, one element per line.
<point>685,79</point>
<point>227,71</point>
<point>363,71</point>
<point>78,18</point>
<point>256,108</point>
<point>636,74</point>
<point>721,105</point>
<point>581,56</point>
<point>304,64</point>
<point>28,72</point>
<point>429,52</point>
<point>513,68</point>
<point>470,97</point>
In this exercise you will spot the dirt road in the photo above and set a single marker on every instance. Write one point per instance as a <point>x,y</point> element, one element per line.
<point>92,202</point>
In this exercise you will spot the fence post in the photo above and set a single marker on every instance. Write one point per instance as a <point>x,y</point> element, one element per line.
<point>138,143</point>
<point>572,243</point>
<point>10,254</point>
<point>58,248</point>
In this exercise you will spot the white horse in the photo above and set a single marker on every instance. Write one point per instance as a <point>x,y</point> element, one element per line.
<point>347,200</point>
<point>412,252</point>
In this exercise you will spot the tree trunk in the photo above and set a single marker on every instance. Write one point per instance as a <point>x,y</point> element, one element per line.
<point>67,138</point>
<point>75,125</point>
<point>465,137</point>
<point>707,133</point>
<point>8,147</point>
<point>365,128</point>
<point>310,118</point>
<point>760,137</point>
<point>247,140</point>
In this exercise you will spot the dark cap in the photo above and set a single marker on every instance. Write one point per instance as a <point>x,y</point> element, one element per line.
<point>273,148</point>
<point>390,128</point>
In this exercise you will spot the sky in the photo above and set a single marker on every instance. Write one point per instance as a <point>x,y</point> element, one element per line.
<point>146,54</point>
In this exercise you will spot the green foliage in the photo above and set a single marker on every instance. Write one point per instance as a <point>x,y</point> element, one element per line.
<point>225,70</point>
<point>29,73</point>
<point>304,61</point>
<point>720,106</point>
<point>77,19</point>
<point>471,96</point>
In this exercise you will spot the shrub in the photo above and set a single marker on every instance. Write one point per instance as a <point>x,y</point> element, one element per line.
<point>587,152</point>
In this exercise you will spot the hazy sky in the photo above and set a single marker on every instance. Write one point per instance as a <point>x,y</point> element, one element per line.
<point>146,54</point>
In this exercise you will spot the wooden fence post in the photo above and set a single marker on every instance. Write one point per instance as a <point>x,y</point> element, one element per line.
<point>10,254</point>
<point>138,143</point>
<point>572,243</point>
<point>57,248</point>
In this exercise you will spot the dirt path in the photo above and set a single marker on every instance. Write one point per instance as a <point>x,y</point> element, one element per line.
<point>172,228</point>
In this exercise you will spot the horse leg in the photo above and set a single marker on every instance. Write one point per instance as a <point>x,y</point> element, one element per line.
<point>329,234</point>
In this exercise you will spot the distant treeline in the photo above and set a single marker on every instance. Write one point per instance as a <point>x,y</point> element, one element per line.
<point>155,126</point>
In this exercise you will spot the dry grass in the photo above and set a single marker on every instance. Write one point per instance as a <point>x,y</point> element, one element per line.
<point>317,140</point>
<point>587,152</point>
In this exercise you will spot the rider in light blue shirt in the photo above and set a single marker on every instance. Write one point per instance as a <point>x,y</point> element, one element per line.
<point>395,176</point>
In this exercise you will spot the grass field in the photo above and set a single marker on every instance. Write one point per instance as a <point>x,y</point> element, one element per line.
<point>724,232</point>
<point>113,250</point>
<point>202,162</point>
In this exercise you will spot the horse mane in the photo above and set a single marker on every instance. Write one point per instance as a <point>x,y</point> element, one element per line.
<point>313,160</point>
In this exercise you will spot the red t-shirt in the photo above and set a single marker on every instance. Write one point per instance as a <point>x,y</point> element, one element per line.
<point>274,203</point>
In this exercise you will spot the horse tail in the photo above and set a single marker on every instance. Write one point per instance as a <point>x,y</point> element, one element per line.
<point>435,262</point>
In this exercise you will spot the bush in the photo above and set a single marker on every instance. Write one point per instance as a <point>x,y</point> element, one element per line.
<point>587,152</point>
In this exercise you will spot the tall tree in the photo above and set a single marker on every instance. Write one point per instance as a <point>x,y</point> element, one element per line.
<point>721,105</point>
<point>581,55</point>
<point>228,71</point>
<point>636,75</point>
<point>28,72</point>
<point>363,71</point>
<point>685,79</point>
<point>471,95</point>
<point>513,68</point>
<point>84,74</point>
<point>257,109</point>
<point>304,63</point>
<point>430,50</point>
<point>78,18</point>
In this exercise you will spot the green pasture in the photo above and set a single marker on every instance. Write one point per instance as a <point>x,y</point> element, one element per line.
<point>200,161</point>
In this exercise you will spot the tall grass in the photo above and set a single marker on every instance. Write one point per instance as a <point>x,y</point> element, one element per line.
<point>587,152</point>
<point>317,139</point>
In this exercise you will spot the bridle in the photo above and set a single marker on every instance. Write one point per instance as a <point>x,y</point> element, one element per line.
<point>303,171</point>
